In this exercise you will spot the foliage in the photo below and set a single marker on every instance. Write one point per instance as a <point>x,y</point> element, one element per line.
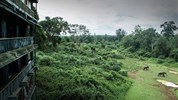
<point>53,27</point>
<point>148,43</point>
<point>80,72</point>
<point>41,38</point>
<point>168,29</point>
<point>120,33</point>
<point>92,67</point>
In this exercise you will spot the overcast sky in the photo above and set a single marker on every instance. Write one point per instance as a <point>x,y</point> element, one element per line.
<point>105,16</point>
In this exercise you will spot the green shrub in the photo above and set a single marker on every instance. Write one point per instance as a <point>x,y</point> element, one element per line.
<point>161,57</point>
<point>141,58</point>
<point>40,53</point>
<point>114,66</point>
<point>124,73</point>
<point>160,61</point>
<point>116,56</point>
<point>170,60</point>
<point>46,61</point>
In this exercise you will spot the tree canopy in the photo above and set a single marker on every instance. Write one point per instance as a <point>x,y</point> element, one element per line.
<point>168,29</point>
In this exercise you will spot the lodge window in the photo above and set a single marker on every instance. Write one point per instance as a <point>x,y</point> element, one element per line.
<point>14,68</point>
<point>7,72</point>
<point>21,95</point>
<point>4,72</point>
<point>24,60</point>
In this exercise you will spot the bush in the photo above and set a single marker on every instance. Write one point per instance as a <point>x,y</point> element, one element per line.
<point>161,57</point>
<point>141,58</point>
<point>160,61</point>
<point>46,61</point>
<point>116,56</point>
<point>124,73</point>
<point>114,66</point>
<point>170,60</point>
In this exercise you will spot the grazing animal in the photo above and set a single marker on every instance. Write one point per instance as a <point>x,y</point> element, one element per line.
<point>162,74</point>
<point>146,68</point>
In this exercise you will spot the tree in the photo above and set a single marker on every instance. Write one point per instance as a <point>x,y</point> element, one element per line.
<point>129,43</point>
<point>162,47</point>
<point>120,33</point>
<point>137,29</point>
<point>54,27</point>
<point>41,37</point>
<point>78,32</point>
<point>149,36</point>
<point>168,29</point>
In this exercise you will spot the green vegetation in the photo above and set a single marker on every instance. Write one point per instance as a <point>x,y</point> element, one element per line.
<point>103,67</point>
<point>76,71</point>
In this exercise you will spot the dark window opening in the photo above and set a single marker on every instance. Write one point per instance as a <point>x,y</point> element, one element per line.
<point>31,55</point>
<point>14,68</point>
<point>24,60</point>
<point>4,73</point>
<point>21,94</point>
<point>22,30</point>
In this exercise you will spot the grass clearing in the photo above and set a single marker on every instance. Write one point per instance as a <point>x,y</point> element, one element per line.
<point>145,85</point>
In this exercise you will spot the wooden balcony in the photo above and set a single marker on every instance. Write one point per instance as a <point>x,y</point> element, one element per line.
<point>14,83</point>
<point>10,56</point>
<point>7,44</point>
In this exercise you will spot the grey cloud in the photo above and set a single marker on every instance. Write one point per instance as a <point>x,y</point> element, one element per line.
<point>102,16</point>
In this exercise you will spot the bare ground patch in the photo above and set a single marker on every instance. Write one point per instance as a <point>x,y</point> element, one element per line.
<point>167,90</point>
<point>132,75</point>
<point>170,95</point>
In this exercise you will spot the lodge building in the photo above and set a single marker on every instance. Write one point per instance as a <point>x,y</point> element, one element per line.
<point>17,49</point>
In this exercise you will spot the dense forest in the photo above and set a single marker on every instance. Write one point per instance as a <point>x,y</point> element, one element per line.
<point>75,65</point>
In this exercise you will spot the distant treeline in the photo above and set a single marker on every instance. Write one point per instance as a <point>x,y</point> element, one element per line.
<point>143,42</point>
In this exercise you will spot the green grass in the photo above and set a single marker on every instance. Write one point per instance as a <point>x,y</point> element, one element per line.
<point>145,85</point>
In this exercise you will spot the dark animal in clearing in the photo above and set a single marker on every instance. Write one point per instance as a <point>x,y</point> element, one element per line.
<point>163,74</point>
<point>146,68</point>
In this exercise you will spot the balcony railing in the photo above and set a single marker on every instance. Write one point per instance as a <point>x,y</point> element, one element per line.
<point>7,44</point>
<point>22,6</point>
<point>14,84</point>
<point>10,56</point>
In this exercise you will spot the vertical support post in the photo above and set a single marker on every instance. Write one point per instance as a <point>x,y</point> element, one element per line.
<point>3,32</point>
<point>27,30</point>
<point>26,59</point>
<point>17,30</point>
<point>5,70</point>
<point>19,65</point>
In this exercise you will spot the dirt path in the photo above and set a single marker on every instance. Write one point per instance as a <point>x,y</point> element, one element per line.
<point>132,75</point>
<point>170,95</point>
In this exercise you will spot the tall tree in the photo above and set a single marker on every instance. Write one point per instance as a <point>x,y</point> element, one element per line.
<point>78,32</point>
<point>149,37</point>
<point>168,29</point>
<point>54,27</point>
<point>120,33</point>
<point>162,47</point>
<point>137,29</point>
<point>41,37</point>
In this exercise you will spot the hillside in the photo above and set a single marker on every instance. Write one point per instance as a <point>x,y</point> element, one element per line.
<point>81,71</point>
